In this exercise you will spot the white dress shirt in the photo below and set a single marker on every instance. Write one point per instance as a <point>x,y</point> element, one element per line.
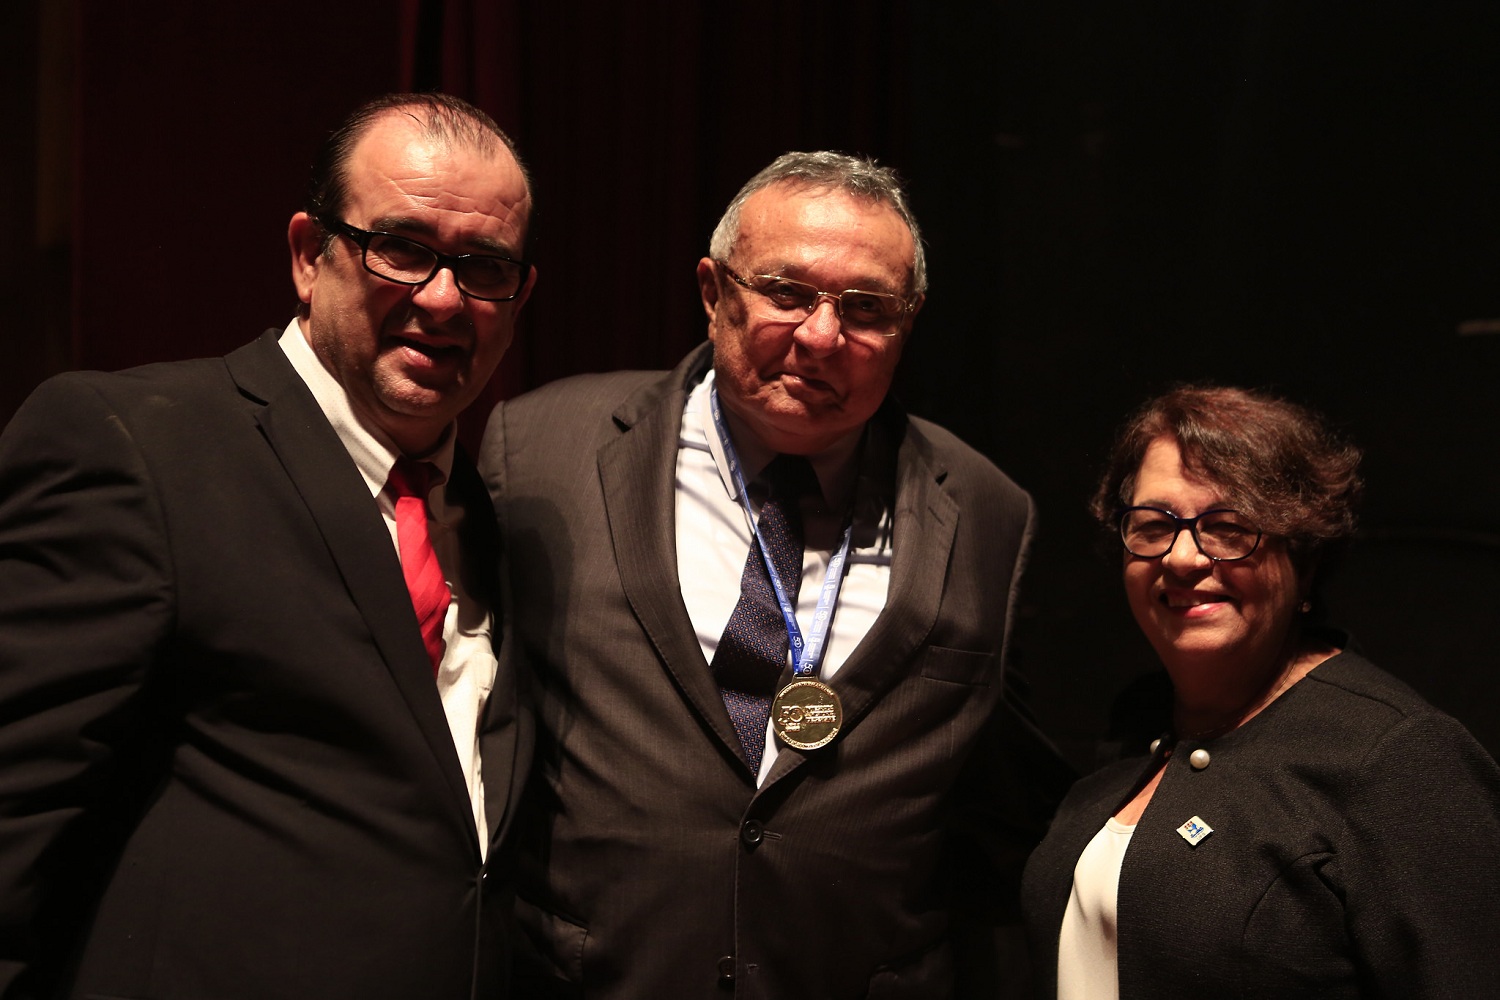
<point>467,671</point>
<point>714,534</point>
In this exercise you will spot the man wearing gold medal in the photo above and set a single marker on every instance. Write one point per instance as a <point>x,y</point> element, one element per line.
<point>766,611</point>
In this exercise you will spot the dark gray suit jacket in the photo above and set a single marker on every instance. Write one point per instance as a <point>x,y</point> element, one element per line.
<point>224,767</point>
<point>653,867</point>
<point>1355,853</point>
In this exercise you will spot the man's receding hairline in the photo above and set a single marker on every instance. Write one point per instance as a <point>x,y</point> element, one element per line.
<point>440,127</point>
<point>822,188</point>
<point>480,141</point>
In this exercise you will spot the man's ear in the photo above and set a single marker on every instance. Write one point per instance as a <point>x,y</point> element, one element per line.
<point>305,239</point>
<point>912,315</point>
<point>708,289</point>
<point>523,295</point>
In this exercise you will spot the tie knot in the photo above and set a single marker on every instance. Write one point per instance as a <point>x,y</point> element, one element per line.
<point>411,478</point>
<point>791,477</point>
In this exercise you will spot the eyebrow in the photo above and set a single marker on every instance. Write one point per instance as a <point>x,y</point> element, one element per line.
<point>794,272</point>
<point>1173,509</point>
<point>398,225</point>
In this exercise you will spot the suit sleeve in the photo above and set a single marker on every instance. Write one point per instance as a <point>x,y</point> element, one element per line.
<point>1422,870</point>
<point>85,608</point>
<point>1010,788</point>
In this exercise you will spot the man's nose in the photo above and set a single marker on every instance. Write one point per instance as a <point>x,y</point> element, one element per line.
<point>823,331</point>
<point>439,296</point>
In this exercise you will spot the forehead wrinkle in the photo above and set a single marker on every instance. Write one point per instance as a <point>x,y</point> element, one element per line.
<point>806,259</point>
<point>446,193</point>
<point>441,181</point>
<point>825,238</point>
<point>793,273</point>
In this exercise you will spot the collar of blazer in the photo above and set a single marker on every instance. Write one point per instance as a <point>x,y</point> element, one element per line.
<point>637,473</point>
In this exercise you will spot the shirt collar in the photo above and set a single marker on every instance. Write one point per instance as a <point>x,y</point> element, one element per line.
<point>373,452</point>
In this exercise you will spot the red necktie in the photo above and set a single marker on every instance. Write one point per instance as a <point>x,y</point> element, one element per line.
<point>409,484</point>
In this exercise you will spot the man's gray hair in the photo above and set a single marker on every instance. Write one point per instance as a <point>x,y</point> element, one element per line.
<point>859,176</point>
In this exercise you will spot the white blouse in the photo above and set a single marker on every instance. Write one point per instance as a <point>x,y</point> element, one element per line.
<point>1087,959</point>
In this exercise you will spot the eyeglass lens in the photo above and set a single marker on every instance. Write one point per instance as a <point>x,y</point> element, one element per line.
<point>1220,534</point>
<point>865,309</point>
<point>412,263</point>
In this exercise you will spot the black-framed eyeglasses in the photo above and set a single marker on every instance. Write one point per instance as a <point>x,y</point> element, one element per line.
<point>862,312</point>
<point>1222,535</point>
<point>489,277</point>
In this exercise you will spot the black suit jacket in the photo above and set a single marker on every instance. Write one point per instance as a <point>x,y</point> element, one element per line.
<point>653,865</point>
<point>224,767</point>
<point>1355,854</point>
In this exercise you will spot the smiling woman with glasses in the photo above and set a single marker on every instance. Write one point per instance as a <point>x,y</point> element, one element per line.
<point>1307,826</point>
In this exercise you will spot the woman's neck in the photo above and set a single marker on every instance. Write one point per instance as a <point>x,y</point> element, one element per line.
<point>1215,702</point>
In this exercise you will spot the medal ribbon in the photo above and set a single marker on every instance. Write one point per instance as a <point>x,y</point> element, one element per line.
<point>805,655</point>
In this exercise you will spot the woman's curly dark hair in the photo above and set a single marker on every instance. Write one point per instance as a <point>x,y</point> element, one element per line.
<point>1276,462</point>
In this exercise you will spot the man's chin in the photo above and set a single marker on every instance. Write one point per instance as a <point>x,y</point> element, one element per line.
<point>804,427</point>
<point>420,378</point>
<point>426,400</point>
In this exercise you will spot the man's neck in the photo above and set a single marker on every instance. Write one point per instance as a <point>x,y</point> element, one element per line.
<point>835,462</point>
<point>756,449</point>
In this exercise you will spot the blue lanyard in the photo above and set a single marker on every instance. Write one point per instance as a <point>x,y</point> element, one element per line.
<point>805,655</point>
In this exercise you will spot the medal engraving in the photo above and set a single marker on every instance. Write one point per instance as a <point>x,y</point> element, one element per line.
<point>807,714</point>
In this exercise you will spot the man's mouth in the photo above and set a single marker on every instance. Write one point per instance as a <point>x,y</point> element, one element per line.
<point>434,353</point>
<point>794,381</point>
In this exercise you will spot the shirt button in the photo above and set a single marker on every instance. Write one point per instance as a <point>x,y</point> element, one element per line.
<point>1199,759</point>
<point>726,969</point>
<point>752,833</point>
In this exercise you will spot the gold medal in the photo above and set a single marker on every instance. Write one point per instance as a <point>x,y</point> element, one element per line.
<point>807,714</point>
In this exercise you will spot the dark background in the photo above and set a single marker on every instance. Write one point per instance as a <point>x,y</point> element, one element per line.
<point>1116,195</point>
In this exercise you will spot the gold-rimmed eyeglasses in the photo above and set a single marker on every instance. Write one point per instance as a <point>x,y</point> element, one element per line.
<point>862,312</point>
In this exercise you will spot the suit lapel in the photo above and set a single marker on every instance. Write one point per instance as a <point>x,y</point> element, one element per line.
<point>638,475</point>
<point>340,503</point>
<point>926,519</point>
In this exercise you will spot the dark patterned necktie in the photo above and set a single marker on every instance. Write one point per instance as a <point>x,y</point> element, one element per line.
<point>410,483</point>
<point>753,649</point>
